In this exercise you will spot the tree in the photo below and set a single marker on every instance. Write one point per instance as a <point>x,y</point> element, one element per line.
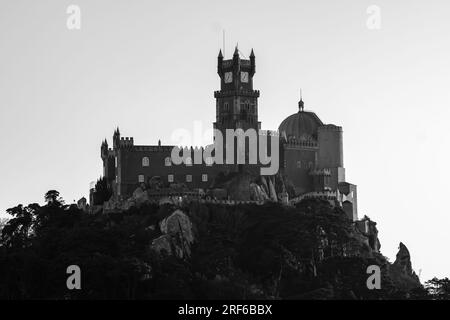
<point>439,289</point>
<point>17,231</point>
<point>52,198</point>
<point>102,191</point>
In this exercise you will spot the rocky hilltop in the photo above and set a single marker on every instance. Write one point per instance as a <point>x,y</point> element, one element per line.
<point>190,248</point>
<point>268,250</point>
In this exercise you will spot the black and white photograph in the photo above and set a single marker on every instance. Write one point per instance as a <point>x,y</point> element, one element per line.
<point>242,153</point>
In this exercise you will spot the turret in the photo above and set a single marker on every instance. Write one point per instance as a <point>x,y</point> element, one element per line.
<point>252,63</point>
<point>116,138</point>
<point>236,53</point>
<point>236,67</point>
<point>104,149</point>
<point>219,63</point>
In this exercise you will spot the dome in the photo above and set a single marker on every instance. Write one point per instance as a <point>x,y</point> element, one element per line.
<point>302,125</point>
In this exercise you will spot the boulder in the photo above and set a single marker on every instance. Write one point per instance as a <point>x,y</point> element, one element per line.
<point>162,244</point>
<point>140,196</point>
<point>272,192</point>
<point>257,193</point>
<point>178,229</point>
<point>178,222</point>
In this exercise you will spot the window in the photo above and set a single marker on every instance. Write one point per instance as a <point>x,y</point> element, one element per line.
<point>225,107</point>
<point>168,162</point>
<point>141,178</point>
<point>115,159</point>
<point>188,161</point>
<point>311,165</point>
<point>204,177</point>
<point>170,178</point>
<point>189,178</point>
<point>299,164</point>
<point>145,161</point>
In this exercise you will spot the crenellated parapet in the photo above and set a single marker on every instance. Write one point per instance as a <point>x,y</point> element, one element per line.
<point>241,92</point>
<point>325,195</point>
<point>126,142</point>
<point>294,143</point>
<point>330,127</point>
<point>156,148</point>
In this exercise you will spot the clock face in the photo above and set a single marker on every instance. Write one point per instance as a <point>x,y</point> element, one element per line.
<point>244,77</point>
<point>228,77</point>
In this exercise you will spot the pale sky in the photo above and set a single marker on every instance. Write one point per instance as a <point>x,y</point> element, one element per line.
<point>150,67</point>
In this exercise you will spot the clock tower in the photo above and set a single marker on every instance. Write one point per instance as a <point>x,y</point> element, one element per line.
<point>236,102</point>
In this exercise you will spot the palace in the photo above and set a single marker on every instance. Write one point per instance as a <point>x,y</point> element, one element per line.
<point>310,152</point>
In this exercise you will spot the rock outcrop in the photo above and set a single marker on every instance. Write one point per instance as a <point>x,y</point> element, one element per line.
<point>403,261</point>
<point>401,270</point>
<point>257,193</point>
<point>177,235</point>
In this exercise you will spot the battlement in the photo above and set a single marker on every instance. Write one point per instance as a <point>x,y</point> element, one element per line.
<point>326,195</point>
<point>157,148</point>
<point>329,127</point>
<point>294,143</point>
<point>229,62</point>
<point>126,142</point>
<point>241,92</point>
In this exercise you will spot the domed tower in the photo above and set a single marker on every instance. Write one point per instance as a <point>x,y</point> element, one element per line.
<point>299,134</point>
<point>313,158</point>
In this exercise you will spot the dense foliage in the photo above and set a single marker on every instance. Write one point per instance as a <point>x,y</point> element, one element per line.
<point>241,252</point>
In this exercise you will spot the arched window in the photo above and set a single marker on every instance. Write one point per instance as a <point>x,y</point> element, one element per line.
<point>170,178</point>
<point>141,178</point>
<point>299,164</point>
<point>168,162</point>
<point>188,161</point>
<point>209,161</point>
<point>145,161</point>
<point>189,178</point>
<point>204,177</point>
<point>311,165</point>
<point>226,107</point>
